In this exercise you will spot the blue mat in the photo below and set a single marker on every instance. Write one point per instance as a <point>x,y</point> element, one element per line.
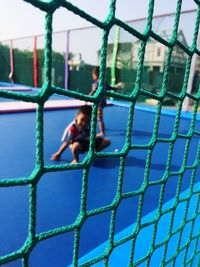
<point>59,193</point>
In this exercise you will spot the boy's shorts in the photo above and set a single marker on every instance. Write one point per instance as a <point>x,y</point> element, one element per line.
<point>85,143</point>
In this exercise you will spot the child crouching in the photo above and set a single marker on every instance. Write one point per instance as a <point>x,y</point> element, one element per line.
<point>77,134</point>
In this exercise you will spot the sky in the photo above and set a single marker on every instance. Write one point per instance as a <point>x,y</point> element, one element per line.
<point>19,18</point>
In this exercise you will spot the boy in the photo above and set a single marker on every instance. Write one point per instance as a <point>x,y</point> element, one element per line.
<point>102,103</point>
<point>76,135</point>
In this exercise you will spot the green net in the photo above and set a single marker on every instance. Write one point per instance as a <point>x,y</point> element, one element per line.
<point>48,89</point>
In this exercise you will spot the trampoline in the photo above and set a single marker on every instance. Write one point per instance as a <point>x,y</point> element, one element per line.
<point>59,193</point>
<point>14,87</point>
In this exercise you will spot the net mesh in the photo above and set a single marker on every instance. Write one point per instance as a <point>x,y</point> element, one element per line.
<point>40,168</point>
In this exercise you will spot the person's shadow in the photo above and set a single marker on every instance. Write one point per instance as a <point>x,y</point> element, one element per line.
<point>129,162</point>
<point>138,133</point>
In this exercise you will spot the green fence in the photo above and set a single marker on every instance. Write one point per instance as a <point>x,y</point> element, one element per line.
<point>158,92</point>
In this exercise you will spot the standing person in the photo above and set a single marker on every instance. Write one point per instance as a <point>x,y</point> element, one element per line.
<point>76,136</point>
<point>102,103</point>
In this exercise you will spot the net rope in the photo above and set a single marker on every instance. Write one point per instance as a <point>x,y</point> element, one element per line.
<point>48,89</point>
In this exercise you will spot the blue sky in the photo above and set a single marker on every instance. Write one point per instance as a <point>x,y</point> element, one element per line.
<point>19,18</point>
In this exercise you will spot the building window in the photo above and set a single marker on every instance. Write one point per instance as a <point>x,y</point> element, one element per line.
<point>158,52</point>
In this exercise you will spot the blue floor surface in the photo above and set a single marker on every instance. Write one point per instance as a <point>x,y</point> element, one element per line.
<point>59,193</point>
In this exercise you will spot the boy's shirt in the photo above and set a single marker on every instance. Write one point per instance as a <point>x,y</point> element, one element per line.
<point>73,133</point>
